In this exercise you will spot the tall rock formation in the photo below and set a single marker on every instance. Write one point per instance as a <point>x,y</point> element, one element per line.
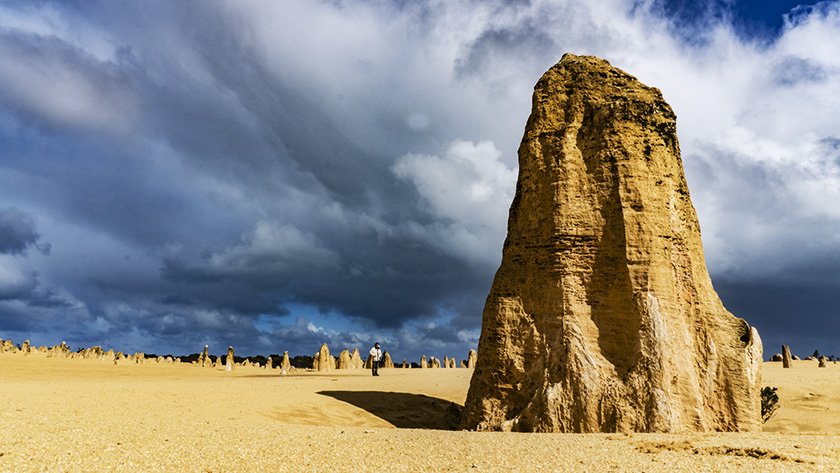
<point>285,365</point>
<point>325,361</point>
<point>204,357</point>
<point>356,361</point>
<point>387,362</point>
<point>344,362</point>
<point>786,359</point>
<point>423,362</point>
<point>472,357</point>
<point>229,360</point>
<point>602,316</point>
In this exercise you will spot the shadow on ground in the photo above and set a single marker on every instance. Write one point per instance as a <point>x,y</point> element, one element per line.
<point>404,410</point>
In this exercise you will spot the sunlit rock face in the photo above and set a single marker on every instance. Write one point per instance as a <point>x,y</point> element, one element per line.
<point>602,316</point>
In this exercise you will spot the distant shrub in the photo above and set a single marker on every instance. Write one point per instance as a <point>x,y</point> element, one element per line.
<point>769,402</point>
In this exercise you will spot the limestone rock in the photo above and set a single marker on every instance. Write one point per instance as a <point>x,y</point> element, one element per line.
<point>822,362</point>
<point>452,363</point>
<point>325,361</point>
<point>423,362</point>
<point>387,362</point>
<point>777,357</point>
<point>463,363</point>
<point>269,363</point>
<point>229,361</point>
<point>9,346</point>
<point>445,361</point>
<point>356,359</point>
<point>343,360</point>
<point>785,356</point>
<point>471,358</point>
<point>285,364</point>
<point>25,348</point>
<point>602,316</point>
<point>204,358</point>
<point>434,362</point>
<point>404,364</point>
<point>796,358</point>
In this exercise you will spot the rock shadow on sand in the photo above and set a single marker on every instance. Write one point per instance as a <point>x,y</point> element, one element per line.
<point>404,410</point>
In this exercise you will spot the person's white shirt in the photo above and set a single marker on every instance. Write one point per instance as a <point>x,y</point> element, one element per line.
<point>376,353</point>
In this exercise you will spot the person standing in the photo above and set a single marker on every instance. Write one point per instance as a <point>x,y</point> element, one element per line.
<point>375,356</point>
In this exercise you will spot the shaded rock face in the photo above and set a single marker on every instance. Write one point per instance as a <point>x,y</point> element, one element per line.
<point>822,362</point>
<point>602,316</point>
<point>777,357</point>
<point>786,359</point>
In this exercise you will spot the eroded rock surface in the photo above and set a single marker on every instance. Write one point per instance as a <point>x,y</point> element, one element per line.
<point>602,315</point>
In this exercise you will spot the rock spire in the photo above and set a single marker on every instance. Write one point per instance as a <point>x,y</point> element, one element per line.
<point>602,316</point>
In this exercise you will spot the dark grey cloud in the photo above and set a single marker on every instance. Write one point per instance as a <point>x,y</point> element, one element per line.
<point>17,232</point>
<point>278,176</point>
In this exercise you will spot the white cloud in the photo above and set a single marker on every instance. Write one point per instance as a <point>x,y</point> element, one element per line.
<point>468,190</point>
<point>271,246</point>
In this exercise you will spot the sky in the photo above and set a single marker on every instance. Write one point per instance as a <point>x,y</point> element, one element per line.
<point>275,175</point>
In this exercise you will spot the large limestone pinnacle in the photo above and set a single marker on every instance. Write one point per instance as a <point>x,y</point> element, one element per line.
<point>602,316</point>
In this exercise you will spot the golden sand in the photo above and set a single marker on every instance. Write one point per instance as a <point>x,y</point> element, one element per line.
<point>86,415</point>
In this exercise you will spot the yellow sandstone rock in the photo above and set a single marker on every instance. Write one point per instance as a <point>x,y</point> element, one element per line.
<point>602,316</point>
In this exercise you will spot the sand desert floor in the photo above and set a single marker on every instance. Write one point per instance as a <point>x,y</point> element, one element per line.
<point>85,415</point>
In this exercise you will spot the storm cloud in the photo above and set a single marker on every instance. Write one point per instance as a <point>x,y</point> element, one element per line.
<point>276,175</point>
